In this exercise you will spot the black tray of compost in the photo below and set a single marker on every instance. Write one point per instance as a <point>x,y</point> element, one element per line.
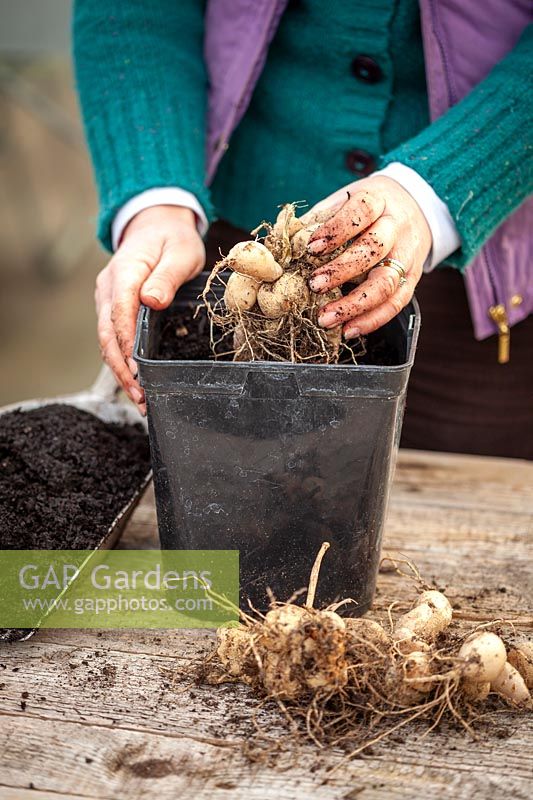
<point>71,471</point>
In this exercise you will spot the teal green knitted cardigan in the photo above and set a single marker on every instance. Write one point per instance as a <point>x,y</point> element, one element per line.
<point>143,92</point>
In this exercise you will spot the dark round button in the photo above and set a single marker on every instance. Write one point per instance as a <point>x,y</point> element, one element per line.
<point>366,69</point>
<point>360,162</point>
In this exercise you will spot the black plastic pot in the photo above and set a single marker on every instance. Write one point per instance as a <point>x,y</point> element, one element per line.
<point>272,459</point>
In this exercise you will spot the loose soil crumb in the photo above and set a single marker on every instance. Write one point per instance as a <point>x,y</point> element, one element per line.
<point>64,476</point>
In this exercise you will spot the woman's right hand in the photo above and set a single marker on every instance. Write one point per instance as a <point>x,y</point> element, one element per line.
<point>160,250</point>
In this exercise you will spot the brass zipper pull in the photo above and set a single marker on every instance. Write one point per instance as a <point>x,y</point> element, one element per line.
<point>499,315</point>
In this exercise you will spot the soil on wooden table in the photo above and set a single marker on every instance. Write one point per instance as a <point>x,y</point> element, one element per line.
<point>64,476</point>
<point>186,336</point>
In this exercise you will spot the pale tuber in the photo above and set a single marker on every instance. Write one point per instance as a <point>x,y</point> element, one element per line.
<point>520,656</point>
<point>365,631</point>
<point>255,260</point>
<point>431,615</point>
<point>282,621</point>
<point>241,292</point>
<point>234,647</point>
<point>287,223</point>
<point>417,672</point>
<point>483,656</point>
<point>510,685</point>
<point>300,240</point>
<point>288,293</point>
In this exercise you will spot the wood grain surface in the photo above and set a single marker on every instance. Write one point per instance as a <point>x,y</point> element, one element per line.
<point>116,714</point>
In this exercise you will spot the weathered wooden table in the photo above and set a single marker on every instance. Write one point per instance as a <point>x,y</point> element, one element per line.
<point>113,714</point>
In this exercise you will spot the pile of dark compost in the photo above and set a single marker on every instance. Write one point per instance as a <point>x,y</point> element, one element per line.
<point>65,475</point>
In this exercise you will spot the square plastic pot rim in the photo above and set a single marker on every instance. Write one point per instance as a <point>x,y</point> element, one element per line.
<point>412,333</point>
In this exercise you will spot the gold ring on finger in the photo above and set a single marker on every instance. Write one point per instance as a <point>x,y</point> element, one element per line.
<point>397,266</point>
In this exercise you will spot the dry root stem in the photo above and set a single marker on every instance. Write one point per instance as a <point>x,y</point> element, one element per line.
<point>351,682</point>
<point>267,302</point>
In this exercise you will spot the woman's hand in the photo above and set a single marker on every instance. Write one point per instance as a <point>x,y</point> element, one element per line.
<point>388,223</point>
<point>160,250</point>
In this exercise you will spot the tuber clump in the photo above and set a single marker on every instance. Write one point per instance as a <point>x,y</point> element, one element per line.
<point>341,676</point>
<point>269,281</point>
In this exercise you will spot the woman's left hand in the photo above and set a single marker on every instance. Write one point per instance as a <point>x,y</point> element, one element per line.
<point>388,223</point>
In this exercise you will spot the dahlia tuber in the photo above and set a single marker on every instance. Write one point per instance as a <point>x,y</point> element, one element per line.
<point>483,655</point>
<point>269,280</point>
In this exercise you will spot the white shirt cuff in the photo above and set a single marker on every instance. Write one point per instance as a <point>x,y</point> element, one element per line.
<point>445,236</point>
<point>159,196</point>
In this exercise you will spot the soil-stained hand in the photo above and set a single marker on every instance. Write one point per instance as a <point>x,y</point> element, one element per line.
<point>160,250</point>
<point>383,220</point>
